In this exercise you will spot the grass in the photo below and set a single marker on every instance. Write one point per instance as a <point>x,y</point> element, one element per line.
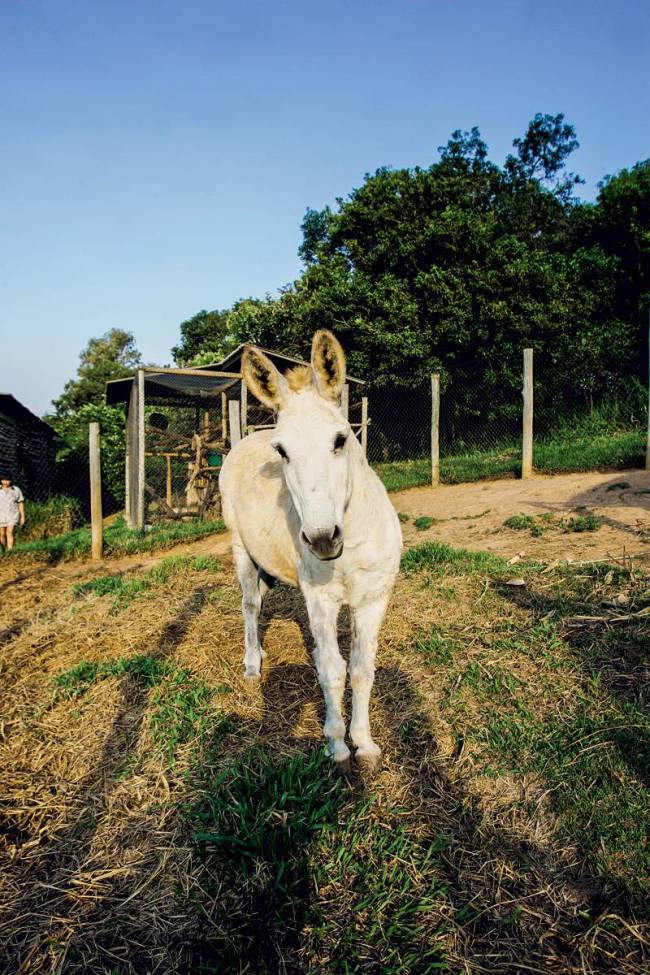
<point>45,519</point>
<point>208,832</point>
<point>537,525</point>
<point>278,831</point>
<point>124,588</point>
<point>424,522</point>
<point>539,694</point>
<point>118,540</point>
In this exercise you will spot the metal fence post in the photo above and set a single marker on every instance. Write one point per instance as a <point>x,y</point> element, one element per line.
<point>527,428</point>
<point>435,429</point>
<point>96,520</point>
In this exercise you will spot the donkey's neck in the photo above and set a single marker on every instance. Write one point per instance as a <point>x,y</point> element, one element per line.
<point>362,514</point>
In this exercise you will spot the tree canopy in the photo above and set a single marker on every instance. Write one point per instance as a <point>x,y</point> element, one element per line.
<point>111,356</point>
<point>457,266</point>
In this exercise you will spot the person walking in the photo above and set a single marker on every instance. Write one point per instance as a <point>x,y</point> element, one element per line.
<point>12,511</point>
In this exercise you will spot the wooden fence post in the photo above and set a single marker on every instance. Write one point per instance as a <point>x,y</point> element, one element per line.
<point>224,416</point>
<point>141,446</point>
<point>647,445</point>
<point>97,532</point>
<point>244,409</point>
<point>435,429</point>
<point>364,425</point>
<point>345,401</point>
<point>527,429</point>
<point>233,418</point>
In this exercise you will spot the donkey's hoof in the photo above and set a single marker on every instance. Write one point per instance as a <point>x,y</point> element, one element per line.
<point>344,768</point>
<point>252,676</point>
<point>368,760</point>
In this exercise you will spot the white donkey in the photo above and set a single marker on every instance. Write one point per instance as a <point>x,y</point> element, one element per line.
<point>304,507</point>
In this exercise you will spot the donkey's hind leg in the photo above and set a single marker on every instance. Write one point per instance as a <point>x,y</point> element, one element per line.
<point>252,592</point>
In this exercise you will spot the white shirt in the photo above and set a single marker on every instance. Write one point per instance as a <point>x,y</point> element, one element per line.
<point>9,501</point>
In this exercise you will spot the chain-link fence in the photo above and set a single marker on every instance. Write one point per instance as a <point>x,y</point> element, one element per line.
<point>576,427</point>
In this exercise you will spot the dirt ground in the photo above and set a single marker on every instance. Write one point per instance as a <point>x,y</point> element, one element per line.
<point>472,515</point>
<point>97,873</point>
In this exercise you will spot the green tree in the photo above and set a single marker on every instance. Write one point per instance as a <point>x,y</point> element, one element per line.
<point>111,356</point>
<point>205,337</point>
<point>72,454</point>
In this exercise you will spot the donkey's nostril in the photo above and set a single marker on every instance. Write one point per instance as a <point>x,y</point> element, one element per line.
<point>336,534</point>
<point>306,540</point>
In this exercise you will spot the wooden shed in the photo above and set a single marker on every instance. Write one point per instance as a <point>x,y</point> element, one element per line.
<point>27,449</point>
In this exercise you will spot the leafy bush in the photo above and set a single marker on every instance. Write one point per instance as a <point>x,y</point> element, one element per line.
<point>56,516</point>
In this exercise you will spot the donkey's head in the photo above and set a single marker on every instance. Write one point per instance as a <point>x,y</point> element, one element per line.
<point>312,437</point>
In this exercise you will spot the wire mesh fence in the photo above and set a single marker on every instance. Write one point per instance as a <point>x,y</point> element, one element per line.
<point>576,427</point>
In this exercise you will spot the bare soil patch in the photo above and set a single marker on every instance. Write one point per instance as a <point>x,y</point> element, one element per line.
<point>472,515</point>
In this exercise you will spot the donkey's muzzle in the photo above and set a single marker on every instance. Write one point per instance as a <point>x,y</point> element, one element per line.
<point>325,545</point>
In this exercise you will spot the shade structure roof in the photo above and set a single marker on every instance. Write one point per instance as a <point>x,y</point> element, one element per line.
<point>172,387</point>
<point>232,362</point>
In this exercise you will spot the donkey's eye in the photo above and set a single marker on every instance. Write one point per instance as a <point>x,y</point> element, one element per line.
<point>280,449</point>
<point>339,441</point>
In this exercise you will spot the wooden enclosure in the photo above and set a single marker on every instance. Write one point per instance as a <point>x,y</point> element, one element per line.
<point>172,467</point>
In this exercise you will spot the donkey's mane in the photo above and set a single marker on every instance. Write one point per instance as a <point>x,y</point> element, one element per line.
<point>300,377</point>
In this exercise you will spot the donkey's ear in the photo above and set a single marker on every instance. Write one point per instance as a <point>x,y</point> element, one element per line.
<point>263,379</point>
<point>328,364</point>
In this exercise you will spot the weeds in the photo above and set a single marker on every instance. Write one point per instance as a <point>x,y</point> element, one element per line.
<point>424,522</point>
<point>539,524</point>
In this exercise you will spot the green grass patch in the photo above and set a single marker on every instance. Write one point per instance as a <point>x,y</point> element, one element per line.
<point>118,540</point>
<point>424,522</point>
<point>180,711</point>
<point>618,486</point>
<point>590,452</point>
<point>582,523</point>
<point>45,519</point>
<point>403,517</point>
<point>530,694</point>
<point>311,870</point>
<point>125,588</point>
<point>537,525</point>
<point>439,558</point>
<point>76,681</point>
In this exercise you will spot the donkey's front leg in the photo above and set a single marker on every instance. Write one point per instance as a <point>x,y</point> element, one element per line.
<point>366,622</point>
<point>323,612</point>
<point>251,605</point>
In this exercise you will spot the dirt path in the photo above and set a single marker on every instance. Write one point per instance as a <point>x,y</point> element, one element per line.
<point>472,515</point>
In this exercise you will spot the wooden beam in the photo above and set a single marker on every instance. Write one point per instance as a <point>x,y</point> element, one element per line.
<point>224,416</point>
<point>96,519</point>
<point>210,373</point>
<point>168,484</point>
<point>233,418</point>
<point>132,456</point>
<point>244,408</point>
<point>345,401</point>
<point>647,446</point>
<point>139,521</point>
<point>527,427</point>
<point>435,429</point>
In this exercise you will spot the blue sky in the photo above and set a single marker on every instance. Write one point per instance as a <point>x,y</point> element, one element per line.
<point>158,157</point>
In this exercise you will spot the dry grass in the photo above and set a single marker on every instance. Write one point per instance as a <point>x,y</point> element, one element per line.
<point>454,858</point>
